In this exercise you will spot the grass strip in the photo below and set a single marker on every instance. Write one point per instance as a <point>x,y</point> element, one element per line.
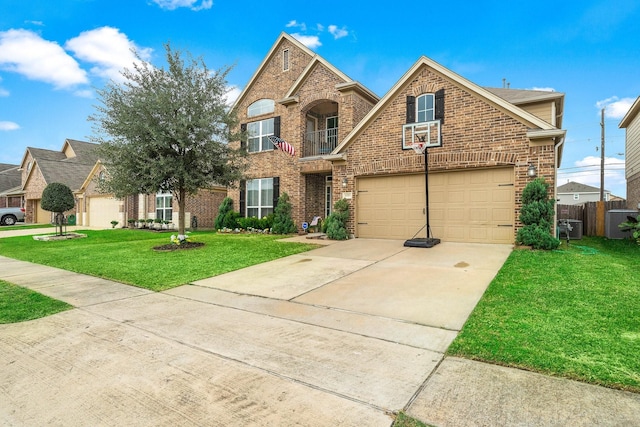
<point>573,312</point>
<point>127,256</point>
<point>20,304</point>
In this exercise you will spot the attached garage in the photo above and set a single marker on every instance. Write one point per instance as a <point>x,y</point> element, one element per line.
<point>474,206</point>
<point>42,216</point>
<point>103,210</point>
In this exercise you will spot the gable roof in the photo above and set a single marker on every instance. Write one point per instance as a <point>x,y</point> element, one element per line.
<point>631,114</point>
<point>538,127</point>
<point>576,187</point>
<point>55,166</point>
<point>522,96</point>
<point>265,61</point>
<point>10,177</point>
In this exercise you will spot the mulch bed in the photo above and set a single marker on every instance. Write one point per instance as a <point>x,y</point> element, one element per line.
<point>172,247</point>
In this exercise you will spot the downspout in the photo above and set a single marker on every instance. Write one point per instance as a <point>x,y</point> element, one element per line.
<point>555,180</point>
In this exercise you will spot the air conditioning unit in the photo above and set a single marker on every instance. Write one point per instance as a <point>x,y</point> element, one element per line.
<point>615,217</point>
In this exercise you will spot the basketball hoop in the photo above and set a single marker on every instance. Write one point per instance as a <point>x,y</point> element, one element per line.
<point>418,147</point>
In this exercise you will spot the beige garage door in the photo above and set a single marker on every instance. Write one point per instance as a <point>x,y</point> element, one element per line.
<point>103,210</point>
<point>464,206</point>
<point>42,216</point>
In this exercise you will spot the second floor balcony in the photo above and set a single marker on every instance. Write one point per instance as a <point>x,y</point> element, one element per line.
<point>320,143</point>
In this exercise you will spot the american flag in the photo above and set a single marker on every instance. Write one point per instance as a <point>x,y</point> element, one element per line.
<point>282,144</point>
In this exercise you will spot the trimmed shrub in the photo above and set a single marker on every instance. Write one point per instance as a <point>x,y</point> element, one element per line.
<point>537,216</point>
<point>336,224</point>
<point>225,207</point>
<point>282,222</point>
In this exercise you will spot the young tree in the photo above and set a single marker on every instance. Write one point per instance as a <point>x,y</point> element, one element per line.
<point>167,130</point>
<point>57,198</point>
<point>282,221</point>
<point>537,216</point>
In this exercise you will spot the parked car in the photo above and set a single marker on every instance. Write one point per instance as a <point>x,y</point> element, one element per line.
<point>9,216</point>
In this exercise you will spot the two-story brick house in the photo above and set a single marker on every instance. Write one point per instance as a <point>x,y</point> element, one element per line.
<point>350,144</point>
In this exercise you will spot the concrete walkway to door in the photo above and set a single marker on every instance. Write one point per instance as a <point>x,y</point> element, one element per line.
<point>341,335</point>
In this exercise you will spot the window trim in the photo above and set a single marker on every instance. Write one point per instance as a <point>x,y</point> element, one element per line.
<point>426,110</point>
<point>285,60</point>
<point>261,107</point>
<point>262,204</point>
<point>261,136</point>
<point>164,208</point>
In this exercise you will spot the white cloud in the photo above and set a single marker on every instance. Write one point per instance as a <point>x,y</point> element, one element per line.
<point>191,4</point>
<point>311,42</point>
<point>233,92</point>
<point>84,93</point>
<point>9,126</point>
<point>615,108</point>
<point>3,93</point>
<point>587,171</point>
<point>25,52</point>
<point>295,24</point>
<point>107,48</point>
<point>338,33</point>
<point>320,27</point>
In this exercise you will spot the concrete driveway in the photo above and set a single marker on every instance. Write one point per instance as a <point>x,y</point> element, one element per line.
<point>341,335</point>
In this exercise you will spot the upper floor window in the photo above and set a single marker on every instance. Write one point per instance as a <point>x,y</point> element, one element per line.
<point>257,135</point>
<point>285,60</point>
<point>262,106</point>
<point>425,108</point>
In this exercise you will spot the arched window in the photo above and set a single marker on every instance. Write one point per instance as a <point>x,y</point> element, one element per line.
<point>425,108</point>
<point>262,106</point>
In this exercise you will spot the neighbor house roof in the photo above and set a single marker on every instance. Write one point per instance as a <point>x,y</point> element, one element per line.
<point>538,127</point>
<point>631,114</point>
<point>525,96</point>
<point>10,177</point>
<point>576,187</point>
<point>70,166</point>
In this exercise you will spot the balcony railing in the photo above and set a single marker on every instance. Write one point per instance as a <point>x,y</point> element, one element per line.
<point>320,143</point>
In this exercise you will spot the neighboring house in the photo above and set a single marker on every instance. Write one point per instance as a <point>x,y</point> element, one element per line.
<point>631,123</point>
<point>350,144</point>
<point>77,166</point>
<point>574,193</point>
<point>41,167</point>
<point>10,192</point>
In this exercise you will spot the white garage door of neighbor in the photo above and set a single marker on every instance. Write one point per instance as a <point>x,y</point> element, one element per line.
<point>103,210</point>
<point>464,206</point>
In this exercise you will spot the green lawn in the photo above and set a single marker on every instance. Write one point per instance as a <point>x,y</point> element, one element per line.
<point>572,312</point>
<point>19,304</point>
<point>127,255</point>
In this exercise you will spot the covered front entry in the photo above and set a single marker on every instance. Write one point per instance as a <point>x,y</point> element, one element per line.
<point>475,206</point>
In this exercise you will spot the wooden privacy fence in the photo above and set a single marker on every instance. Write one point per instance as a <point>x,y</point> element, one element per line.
<point>587,214</point>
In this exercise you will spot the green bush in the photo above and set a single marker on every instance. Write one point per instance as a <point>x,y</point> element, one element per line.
<point>230,220</point>
<point>537,216</point>
<point>57,198</point>
<point>633,225</point>
<point>282,221</point>
<point>336,224</point>
<point>225,207</point>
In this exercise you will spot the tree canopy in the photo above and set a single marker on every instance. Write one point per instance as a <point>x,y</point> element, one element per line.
<point>58,198</point>
<point>167,130</point>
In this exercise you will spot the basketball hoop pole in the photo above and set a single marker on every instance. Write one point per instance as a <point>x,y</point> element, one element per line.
<point>429,241</point>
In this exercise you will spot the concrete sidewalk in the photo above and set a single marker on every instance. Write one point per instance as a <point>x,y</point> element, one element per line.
<point>341,335</point>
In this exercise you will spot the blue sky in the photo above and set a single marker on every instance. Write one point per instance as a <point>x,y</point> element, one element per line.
<point>54,54</point>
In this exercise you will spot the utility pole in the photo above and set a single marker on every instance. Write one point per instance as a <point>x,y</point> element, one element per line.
<point>602,156</point>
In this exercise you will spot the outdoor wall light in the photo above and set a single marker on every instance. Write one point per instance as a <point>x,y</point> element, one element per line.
<point>531,171</point>
<point>344,182</point>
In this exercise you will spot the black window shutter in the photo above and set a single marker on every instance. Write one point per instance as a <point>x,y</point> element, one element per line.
<point>411,109</point>
<point>276,191</point>
<point>276,126</point>
<point>439,98</point>
<point>243,140</point>
<point>243,198</point>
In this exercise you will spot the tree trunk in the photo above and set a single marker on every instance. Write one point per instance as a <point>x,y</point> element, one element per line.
<point>181,211</point>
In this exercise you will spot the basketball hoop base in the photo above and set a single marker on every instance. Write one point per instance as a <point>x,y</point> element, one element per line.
<point>422,242</point>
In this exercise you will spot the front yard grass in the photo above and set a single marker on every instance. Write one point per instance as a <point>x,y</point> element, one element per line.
<point>127,256</point>
<point>574,312</point>
<point>19,304</point>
